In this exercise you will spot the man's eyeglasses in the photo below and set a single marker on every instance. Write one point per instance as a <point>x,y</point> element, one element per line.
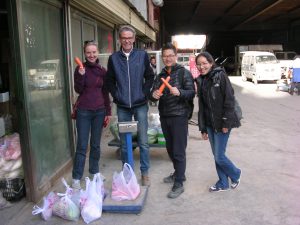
<point>124,39</point>
<point>167,56</point>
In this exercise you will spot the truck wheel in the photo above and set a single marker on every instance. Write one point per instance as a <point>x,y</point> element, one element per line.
<point>254,79</point>
<point>244,78</point>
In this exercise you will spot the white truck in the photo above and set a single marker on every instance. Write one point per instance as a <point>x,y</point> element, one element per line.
<point>285,60</point>
<point>241,49</point>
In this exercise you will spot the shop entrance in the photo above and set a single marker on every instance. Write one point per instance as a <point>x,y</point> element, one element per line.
<point>33,67</point>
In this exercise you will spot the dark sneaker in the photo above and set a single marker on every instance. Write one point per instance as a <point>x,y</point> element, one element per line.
<point>234,185</point>
<point>145,180</point>
<point>171,179</point>
<point>176,190</point>
<point>217,189</point>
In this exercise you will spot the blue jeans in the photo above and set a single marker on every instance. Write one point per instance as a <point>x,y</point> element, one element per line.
<point>225,168</point>
<point>88,121</point>
<point>140,114</point>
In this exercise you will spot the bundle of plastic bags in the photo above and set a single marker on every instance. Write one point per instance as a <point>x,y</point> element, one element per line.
<point>10,157</point>
<point>73,203</point>
<point>125,185</point>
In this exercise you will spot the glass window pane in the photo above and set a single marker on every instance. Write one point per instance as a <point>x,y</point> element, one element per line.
<point>76,40</point>
<point>89,31</point>
<point>43,61</point>
<point>105,39</point>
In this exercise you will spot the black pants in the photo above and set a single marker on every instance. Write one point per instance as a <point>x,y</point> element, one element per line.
<point>175,130</point>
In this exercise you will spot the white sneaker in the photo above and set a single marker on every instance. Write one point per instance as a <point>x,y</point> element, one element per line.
<point>76,184</point>
<point>234,185</point>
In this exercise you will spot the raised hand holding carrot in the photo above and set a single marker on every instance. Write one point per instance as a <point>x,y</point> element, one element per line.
<point>79,63</point>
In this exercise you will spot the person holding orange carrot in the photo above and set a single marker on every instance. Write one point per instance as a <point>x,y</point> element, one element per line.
<point>93,111</point>
<point>173,88</point>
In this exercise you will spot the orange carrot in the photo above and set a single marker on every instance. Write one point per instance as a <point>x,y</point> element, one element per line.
<point>162,87</point>
<point>166,83</point>
<point>78,62</point>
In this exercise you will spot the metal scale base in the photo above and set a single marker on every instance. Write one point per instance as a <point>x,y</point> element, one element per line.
<point>127,206</point>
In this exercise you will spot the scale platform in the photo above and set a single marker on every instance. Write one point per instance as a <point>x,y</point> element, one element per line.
<point>126,206</point>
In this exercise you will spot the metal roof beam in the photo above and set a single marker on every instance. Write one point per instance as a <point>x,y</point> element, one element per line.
<point>227,11</point>
<point>260,9</point>
<point>195,12</point>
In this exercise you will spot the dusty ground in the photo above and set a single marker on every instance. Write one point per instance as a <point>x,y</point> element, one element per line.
<point>266,148</point>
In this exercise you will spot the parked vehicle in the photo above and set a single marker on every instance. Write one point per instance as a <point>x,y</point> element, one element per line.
<point>184,59</point>
<point>227,63</point>
<point>241,49</point>
<point>259,66</point>
<point>48,75</point>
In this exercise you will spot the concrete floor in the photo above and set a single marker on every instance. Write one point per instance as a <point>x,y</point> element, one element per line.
<point>266,148</point>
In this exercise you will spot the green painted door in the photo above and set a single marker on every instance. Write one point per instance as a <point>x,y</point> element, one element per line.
<point>42,49</point>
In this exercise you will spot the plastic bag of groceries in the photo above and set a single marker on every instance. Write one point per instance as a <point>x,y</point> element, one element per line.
<point>46,210</point>
<point>100,185</point>
<point>154,121</point>
<point>152,135</point>
<point>65,207</point>
<point>73,194</point>
<point>125,185</point>
<point>91,207</point>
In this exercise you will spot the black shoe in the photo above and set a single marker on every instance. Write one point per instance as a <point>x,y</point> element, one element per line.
<point>214,188</point>
<point>176,190</point>
<point>171,179</point>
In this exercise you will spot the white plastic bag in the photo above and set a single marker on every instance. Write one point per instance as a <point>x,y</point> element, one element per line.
<point>125,185</point>
<point>73,194</point>
<point>92,207</point>
<point>46,210</point>
<point>100,185</point>
<point>65,207</point>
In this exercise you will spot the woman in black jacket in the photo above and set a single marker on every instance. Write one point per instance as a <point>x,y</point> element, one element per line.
<point>217,117</point>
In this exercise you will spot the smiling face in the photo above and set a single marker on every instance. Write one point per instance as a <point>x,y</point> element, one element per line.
<point>203,65</point>
<point>169,57</point>
<point>127,38</point>
<point>91,53</point>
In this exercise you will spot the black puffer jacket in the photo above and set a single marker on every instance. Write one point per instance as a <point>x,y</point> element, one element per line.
<point>170,105</point>
<point>216,101</point>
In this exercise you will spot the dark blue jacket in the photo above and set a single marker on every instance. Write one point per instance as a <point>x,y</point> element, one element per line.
<point>129,81</point>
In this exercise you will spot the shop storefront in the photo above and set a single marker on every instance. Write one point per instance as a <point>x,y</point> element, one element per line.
<point>39,40</point>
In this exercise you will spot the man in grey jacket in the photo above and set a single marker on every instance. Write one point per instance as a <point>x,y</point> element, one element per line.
<point>129,80</point>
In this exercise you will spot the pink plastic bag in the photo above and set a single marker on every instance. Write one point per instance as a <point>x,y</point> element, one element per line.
<point>11,148</point>
<point>125,185</point>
